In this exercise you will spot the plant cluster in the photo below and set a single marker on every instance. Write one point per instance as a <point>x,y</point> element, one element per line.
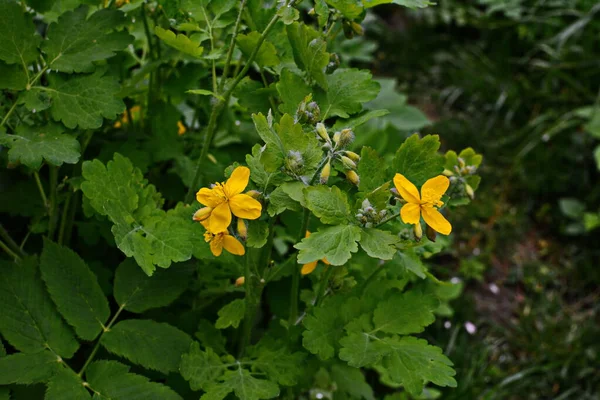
<point>299,273</point>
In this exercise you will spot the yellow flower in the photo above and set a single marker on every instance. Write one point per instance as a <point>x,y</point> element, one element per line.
<point>226,198</point>
<point>181,128</point>
<point>310,267</point>
<point>223,240</point>
<point>135,115</point>
<point>431,193</point>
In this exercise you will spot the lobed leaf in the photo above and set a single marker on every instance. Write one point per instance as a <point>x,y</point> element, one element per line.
<point>28,368</point>
<point>266,56</point>
<point>66,385</point>
<point>379,244</point>
<point>336,243</point>
<point>418,159</point>
<point>231,314</point>
<point>405,313</point>
<point>347,90</point>
<point>310,51</point>
<point>17,35</point>
<point>329,204</point>
<point>179,42</point>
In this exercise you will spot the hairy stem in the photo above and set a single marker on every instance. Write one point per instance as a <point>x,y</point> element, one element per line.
<point>231,46</point>
<point>250,307</point>
<point>12,109</point>
<point>324,284</point>
<point>388,219</point>
<point>8,251</point>
<point>296,274</point>
<point>10,242</point>
<point>371,278</point>
<point>95,349</point>
<point>53,211</point>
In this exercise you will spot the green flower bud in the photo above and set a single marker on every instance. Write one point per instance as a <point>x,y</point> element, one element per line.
<point>322,131</point>
<point>334,63</point>
<point>470,191</point>
<point>353,177</point>
<point>325,173</point>
<point>336,137</point>
<point>346,137</point>
<point>294,162</point>
<point>311,11</point>
<point>357,28</point>
<point>348,163</point>
<point>447,172</point>
<point>418,230</point>
<point>352,155</point>
<point>348,31</point>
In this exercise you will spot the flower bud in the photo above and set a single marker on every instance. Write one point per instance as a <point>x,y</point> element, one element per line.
<point>315,112</point>
<point>311,11</point>
<point>325,172</point>
<point>294,161</point>
<point>447,172</point>
<point>365,204</point>
<point>431,234</point>
<point>346,137</point>
<point>352,155</point>
<point>242,229</point>
<point>461,162</point>
<point>334,63</point>
<point>322,131</point>
<point>394,192</point>
<point>418,230</point>
<point>255,194</point>
<point>348,31</point>
<point>357,28</point>
<point>202,214</point>
<point>470,191</point>
<point>353,177</point>
<point>240,281</point>
<point>336,137</point>
<point>212,158</point>
<point>348,163</point>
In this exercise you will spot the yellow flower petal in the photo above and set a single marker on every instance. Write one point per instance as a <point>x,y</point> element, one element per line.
<point>308,268</point>
<point>202,214</point>
<point>436,220</point>
<point>244,206</point>
<point>237,182</point>
<point>220,218</point>
<point>233,245</point>
<point>410,213</point>
<point>407,190</point>
<point>433,190</point>
<point>324,260</point>
<point>216,245</point>
<point>181,128</point>
<point>209,197</point>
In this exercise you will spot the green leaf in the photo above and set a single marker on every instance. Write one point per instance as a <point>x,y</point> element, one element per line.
<point>405,313</point>
<point>288,14</point>
<point>25,369</point>
<point>411,262</point>
<point>31,145</point>
<point>371,169</point>
<point>243,384</point>
<point>349,8</point>
<point>279,201</point>
<point>76,41</point>
<point>151,344</point>
<point>259,173</point>
<point>351,381</point>
<point>378,243</point>
<point>210,336</point>
<point>359,119</point>
<point>231,314</point>
<point>12,77</point>
<point>277,361</point>
<point>29,320</point>
<point>361,349</point>
<point>112,380</point>
<point>310,51</point>
<point>141,228</point>
<point>258,231</point>
<point>267,55</point>
<point>292,90</point>
<point>412,362</point>
<point>418,159</point>
<point>406,3</point>
<point>137,292</point>
<point>572,208</point>
<point>325,325</point>
<point>82,100</point>
<point>336,243</point>
<point>17,35</point>
<point>66,385</point>
<point>597,157</point>
<point>200,367</point>
<point>329,204</point>
<point>180,42</point>
<point>74,289</point>
<point>322,11</point>
<point>347,90</point>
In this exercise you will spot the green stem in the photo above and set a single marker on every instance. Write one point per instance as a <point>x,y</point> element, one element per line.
<point>268,249</point>
<point>41,189</point>
<point>53,211</point>
<point>95,349</point>
<point>10,242</point>
<point>324,284</point>
<point>8,251</point>
<point>391,217</point>
<point>8,114</point>
<point>63,219</point>
<point>250,307</point>
<point>371,278</point>
<point>147,30</point>
<point>231,46</point>
<point>216,111</point>
<point>212,48</point>
<point>296,274</point>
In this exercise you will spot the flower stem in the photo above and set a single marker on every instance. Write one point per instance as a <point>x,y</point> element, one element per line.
<point>8,251</point>
<point>371,278</point>
<point>95,349</point>
<point>10,242</point>
<point>323,284</point>
<point>391,217</point>
<point>231,46</point>
<point>53,211</point>
<point>296,274</point>
<point>41,189</point>
<point>8,114</point>
<point>250,308</point>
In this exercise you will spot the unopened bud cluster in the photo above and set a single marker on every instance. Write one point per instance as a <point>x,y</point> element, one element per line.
<point>368,216</point>
<point>308,111</point>
<point>461,170</point>
<point>336,152</point>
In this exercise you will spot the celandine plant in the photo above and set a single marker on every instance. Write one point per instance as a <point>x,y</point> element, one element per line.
<point>300,272</point>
